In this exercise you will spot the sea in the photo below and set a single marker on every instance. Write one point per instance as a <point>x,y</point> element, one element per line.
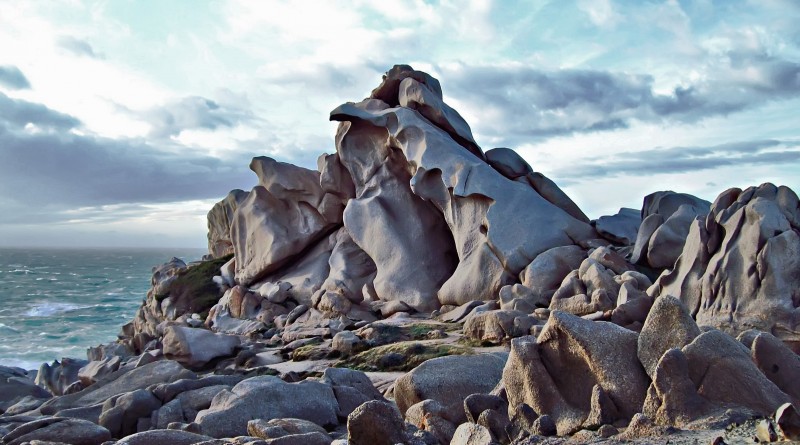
<point>57,303</point>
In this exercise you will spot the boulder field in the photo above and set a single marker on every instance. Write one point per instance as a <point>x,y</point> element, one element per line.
<point>416,289</point>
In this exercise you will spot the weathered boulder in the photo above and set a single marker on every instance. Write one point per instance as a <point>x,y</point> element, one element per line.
<point>739,267</point>
<point>375,423</point>
<point>54,429</point>
<point>476,211</point>
<point>413,255</point>
<point>777,362</point>
<point>556,373</point>
<point>196,347</point>
<point>96,369</point>
<point>669,325</point>
<point>621,228</point>
<point>494,327</point>
<point>666,217</point>
<point>543,276</point>
<point>219,224</point>
<point>121,414</point>
<point>466,375</point>
<point>350,270</point>
<point>472,434</point>
<point>279,219</point>
<point>267,398</point>
<point>16,385</point>
<point>719,365</point>
<point>58,376</point>
<point>120,382</point>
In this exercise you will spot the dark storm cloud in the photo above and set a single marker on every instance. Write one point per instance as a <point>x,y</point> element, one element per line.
<point>78,47</point>
<point>193,112</point>
<point>684,159</point>
<point>19,113</point>
<point>53,167</point>
<point>523,103</point>
<point>11,77</point>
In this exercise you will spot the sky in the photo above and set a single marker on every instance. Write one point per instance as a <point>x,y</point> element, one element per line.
<point>122,122</point>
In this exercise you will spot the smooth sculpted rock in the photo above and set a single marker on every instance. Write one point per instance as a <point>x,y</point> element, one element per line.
<point>350,270</point>
<point>666,218</point>
<point>59,430</point>
<point>472,434</point>
<point>739,267</point>
<point>543,276</point>
<point>722,371</point>
<point>556,373</point>
<point>465,375</point>
<point>279,219</point>
<point>668,325</point>
<point>621,228</point>
<point>778,363</point>
<point>404,235</point>
<point>219,224</point>
<point>267,398</point>
<point>196,347</point>
<point>458,188</point>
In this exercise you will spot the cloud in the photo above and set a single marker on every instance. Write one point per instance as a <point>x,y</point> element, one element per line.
<point>683,159</point>
<point>516,103</point>
<point>11,77</point>
<point>78,47</point>
<point>193,112</point>
<point>48,165</point>
<point>20,113</point>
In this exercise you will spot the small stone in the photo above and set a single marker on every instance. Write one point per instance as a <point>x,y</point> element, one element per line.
<point>544,426</point>
<point>765,431</point>
<point>607,431</point>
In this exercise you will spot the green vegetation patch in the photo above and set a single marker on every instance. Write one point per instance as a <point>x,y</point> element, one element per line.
<point>403,356</point>
<point>193,287</point>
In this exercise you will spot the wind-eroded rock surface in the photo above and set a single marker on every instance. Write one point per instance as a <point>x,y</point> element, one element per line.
<point>415,289</point>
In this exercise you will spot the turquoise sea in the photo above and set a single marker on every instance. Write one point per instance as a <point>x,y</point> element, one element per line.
<point>56,303</point>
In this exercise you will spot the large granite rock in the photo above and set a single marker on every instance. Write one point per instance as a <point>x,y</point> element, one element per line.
<point>58,430</point>
<point>267,398</point>
<point>473,198</point>
<point>621,228</point>
<point>668,325</point>
<point>219,224</point>
<point>666,217</point>
<point>279,219</point>
<point>16,385</point>
<point>195,347</point>
<point>465,375</point>
<point>739,266</point>
<point>556,374</point>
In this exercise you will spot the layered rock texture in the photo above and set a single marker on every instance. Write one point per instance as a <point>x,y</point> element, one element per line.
<point>415,289</point>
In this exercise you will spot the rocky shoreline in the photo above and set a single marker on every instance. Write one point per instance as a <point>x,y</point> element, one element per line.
<point>418,290</point>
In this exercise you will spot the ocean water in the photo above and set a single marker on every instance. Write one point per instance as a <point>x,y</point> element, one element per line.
<point>56,303</point>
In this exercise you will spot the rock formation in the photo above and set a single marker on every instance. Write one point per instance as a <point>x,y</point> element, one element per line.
<point>483,304</point>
